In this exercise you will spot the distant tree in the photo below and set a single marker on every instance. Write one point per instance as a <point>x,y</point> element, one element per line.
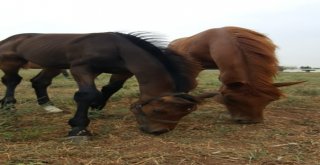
<point>281,68</point>
<point>305,67</point>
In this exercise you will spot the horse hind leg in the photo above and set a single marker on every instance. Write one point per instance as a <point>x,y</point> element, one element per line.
<point>65,73</point>
<point>40,84</point>
<point>10,79</point>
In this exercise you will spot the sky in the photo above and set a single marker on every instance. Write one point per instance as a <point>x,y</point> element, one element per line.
<point>293,25</point>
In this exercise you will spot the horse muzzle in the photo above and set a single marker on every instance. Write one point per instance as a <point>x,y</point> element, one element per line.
<point>155,131</point>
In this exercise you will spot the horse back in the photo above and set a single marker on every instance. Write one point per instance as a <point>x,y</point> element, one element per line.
<point>9,44</point>
<point>46,49</point>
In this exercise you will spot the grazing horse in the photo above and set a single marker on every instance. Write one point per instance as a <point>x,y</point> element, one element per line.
<point>163,76</point>
<point>247,63</point>
<point>11,78</point>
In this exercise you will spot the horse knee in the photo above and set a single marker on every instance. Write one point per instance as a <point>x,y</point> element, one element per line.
<point>88,96</point>
<point>112,88</point>
<point>11,80</point>
<point>40,84</point>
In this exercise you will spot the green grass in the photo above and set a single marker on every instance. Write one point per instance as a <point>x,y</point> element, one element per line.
<point>257,154</point>
<point>289,135</point>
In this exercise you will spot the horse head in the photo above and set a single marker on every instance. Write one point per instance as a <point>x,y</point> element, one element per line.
<point>162,114</point>
<point>245,103</point>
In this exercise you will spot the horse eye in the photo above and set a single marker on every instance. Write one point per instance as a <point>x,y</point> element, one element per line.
<point>235,85</point>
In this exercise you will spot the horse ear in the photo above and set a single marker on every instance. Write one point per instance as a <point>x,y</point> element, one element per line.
<point>183,99</point>
<point>283,84</point>
<point>188,97</point>
<point>206,95</point>
<point>201,97</point>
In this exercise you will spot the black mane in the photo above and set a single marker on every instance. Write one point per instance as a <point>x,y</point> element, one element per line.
<point>178,67</point>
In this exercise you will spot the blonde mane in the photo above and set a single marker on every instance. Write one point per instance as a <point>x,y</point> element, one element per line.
<point>259,55</point>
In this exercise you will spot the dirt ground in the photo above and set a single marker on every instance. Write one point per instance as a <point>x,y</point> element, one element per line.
<point>290,134</point>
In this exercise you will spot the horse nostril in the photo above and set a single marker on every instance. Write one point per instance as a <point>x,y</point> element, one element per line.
<point>144,129</point>
<point>156,132</point>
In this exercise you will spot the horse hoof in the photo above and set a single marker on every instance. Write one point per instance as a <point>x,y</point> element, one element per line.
<point>51,109</point>
<point>78,139</point>
<point>9,108</point>
<point>79,131</point>
<point>79,134</point>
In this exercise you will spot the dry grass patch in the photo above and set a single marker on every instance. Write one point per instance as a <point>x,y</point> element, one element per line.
<point>289,135</point>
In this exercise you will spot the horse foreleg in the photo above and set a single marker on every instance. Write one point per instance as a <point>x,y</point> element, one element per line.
<point>10,79</point>
<point>115,84</point>
<point>84,97</point>
<point>40,84</point>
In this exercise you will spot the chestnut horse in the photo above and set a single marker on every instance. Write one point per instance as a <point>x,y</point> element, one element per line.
<point>247,63</point>
<point>163,77</point>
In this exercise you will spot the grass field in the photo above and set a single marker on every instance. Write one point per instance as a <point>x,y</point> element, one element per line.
<point>289,135</point>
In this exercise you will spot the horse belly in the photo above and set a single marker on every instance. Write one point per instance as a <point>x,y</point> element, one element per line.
<point>44,57</point>
<point>30,65</point>
<point>45,60</point>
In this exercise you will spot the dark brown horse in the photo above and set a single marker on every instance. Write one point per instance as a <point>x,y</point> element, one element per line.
<point>163,77</point>
<point>247,63</point>
<point>11,78</point>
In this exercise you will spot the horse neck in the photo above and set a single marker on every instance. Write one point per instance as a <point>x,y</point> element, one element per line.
<point>181,45</point>
<point>154,82</point>
<point>159,72</point>
<point>157,80</point>
<point>196,49</point>
<point>248,58</point>
<point>231,66</point>
<point>252,54</point>
<point>153,78</point>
